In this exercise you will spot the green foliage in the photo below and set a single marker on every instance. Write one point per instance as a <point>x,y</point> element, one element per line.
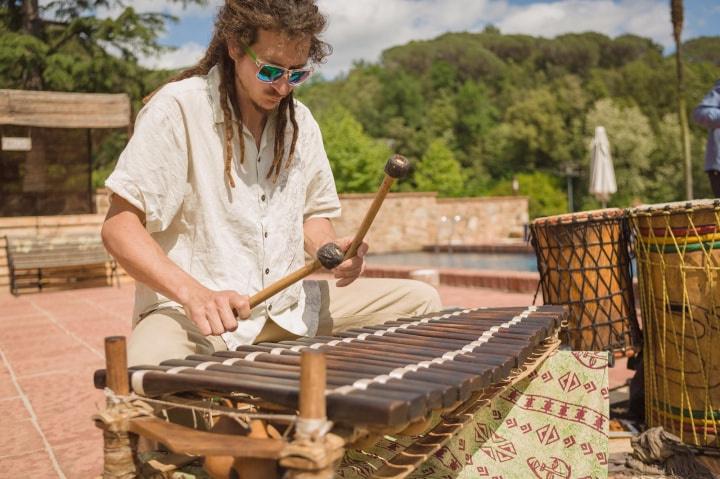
<point>356,159</point>
<point>106,156</point>
<point>703,49</point>
<point>67,47</point>
<point>545,193</point>
<point>438,170</point>
<point>531,104</point>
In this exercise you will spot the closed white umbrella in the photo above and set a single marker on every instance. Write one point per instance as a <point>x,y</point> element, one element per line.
<point>602,173</point>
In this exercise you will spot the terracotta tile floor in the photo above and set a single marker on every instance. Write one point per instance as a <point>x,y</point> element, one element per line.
<point>50,344</point>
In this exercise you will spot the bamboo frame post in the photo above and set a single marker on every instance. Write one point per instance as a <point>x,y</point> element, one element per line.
<point>116,365</point>
<point>314,453</point>
<point>120,446</point>
<point>313,379</point>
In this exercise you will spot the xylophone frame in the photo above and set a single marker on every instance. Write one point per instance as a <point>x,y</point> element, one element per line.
<point>258,453</point>
<point>227,455</point>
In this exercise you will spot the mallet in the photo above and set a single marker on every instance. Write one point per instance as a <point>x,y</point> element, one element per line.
<point>330,255</point>
<point>396,167</point>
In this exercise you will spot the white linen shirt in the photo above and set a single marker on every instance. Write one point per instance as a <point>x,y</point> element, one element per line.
<point>241,238</point>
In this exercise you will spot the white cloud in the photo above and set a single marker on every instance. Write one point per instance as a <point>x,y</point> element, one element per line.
<point>649,18</point>
<point>185,56</point>
<point>362,29</point>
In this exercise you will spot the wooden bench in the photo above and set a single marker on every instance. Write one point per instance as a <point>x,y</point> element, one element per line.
<point>37,261</point>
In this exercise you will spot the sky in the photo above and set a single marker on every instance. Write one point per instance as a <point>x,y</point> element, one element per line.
<point>362,29</point>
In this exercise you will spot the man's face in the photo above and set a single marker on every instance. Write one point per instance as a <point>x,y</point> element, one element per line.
<point>275,48</point>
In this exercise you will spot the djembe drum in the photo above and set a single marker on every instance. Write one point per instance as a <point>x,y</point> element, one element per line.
<point>678,254</point>
<point>584,263</point>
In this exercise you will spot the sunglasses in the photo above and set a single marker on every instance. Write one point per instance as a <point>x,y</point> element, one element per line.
<point>269,73</point>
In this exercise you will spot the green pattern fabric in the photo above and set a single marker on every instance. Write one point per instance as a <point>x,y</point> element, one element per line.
<point>551,425</point>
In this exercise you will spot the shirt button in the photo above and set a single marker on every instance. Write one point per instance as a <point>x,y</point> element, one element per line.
<point>266,234</point>
<point>262,197</point>
<point>267,270</point>
<point>269,307</point>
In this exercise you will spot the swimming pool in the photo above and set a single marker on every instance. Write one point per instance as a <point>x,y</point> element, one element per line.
<point>489,261</point>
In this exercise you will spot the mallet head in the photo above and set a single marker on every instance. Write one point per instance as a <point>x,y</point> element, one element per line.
<point>397,167</point>
<point>330,255</point>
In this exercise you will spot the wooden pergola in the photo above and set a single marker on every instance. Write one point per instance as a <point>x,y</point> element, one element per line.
<point>52,124</point>
<point>50,109</point>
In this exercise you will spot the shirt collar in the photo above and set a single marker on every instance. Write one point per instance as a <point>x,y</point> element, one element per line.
<point>213,83</point>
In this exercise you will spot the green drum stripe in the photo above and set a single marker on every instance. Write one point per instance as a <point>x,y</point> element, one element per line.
<point>684,248</point>
<point>696,414</point>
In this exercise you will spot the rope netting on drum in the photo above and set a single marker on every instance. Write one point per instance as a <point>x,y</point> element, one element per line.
<point>678,255</point>
<point>584,262</point>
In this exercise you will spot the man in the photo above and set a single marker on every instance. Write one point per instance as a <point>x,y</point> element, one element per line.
<point>200,238</point>
<point>707,114</point>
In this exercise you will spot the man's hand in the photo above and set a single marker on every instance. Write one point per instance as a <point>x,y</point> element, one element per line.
<point>214,312</point>
<point>350,269</point>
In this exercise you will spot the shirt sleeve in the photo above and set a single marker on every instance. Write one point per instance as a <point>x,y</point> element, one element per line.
<point>321,198</point>
<point>152,171</point>
<point>707,113</point>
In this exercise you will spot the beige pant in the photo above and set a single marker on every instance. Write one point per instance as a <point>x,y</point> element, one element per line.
<point>169,334</point>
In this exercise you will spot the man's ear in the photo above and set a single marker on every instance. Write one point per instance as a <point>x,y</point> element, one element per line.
<point>234,51</point>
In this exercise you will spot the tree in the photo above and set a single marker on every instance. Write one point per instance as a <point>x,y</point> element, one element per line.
<point>534,134</point>
<point>438,170</point>
<point>66,45</point>
<point>356,159</point>
<point>476,115</point>
<point>703,49</point>
<point>545,193</point>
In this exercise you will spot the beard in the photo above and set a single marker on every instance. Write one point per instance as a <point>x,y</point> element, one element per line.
<point>254,103</point>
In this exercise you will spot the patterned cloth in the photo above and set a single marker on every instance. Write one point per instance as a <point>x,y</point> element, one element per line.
<point>551,425</point>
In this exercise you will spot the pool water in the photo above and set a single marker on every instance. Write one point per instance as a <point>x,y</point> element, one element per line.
<point>493,261</point>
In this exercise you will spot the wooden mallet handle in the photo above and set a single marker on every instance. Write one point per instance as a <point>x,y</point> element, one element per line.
<point>396,167</point>
<point>328,256</point>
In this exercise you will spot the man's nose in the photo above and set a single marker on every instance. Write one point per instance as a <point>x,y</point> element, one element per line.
<point>282,86</point>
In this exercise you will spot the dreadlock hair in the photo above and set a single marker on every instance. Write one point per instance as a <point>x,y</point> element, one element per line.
<point>240,21</point>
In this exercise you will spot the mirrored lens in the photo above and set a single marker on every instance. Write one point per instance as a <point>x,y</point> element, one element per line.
<point>298,76</point>
<point>270,73</point>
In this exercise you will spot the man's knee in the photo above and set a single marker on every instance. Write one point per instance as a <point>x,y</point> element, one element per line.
<point>423,296</point>
<point>163,335</point>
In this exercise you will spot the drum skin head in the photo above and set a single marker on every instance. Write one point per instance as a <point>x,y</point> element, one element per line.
<point>580,216</point>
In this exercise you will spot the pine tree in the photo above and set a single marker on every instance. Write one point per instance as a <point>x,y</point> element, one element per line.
<point>78,45</point>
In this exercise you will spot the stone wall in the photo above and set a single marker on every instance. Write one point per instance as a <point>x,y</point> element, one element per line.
<point>409,221</point>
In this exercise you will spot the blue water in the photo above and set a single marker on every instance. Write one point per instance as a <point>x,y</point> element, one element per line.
<point>496,261</point>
